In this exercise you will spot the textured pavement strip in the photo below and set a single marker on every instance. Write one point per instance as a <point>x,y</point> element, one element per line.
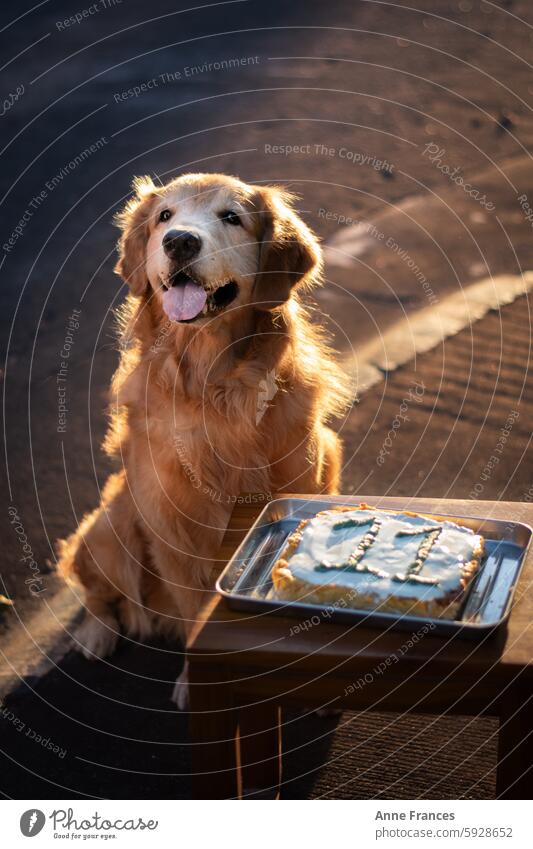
<point>32,646</point>
<point>378,755</point>
<point>426,328</point>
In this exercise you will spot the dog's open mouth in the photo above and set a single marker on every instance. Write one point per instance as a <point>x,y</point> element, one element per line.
<point>185,299</point>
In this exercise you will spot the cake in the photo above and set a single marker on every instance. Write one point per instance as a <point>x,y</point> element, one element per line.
<point>384,560</point>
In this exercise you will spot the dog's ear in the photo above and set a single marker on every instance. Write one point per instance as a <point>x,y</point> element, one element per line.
<point>133,221</point>
<point>289,254</point>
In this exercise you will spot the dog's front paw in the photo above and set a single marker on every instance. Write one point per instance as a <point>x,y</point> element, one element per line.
<point>180,694</point>
<point>96,638</point>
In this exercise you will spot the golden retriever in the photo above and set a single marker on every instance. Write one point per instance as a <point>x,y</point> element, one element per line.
<point>224,386</point>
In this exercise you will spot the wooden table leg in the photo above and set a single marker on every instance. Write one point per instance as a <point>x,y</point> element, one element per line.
<point>515,744</point>
<point>260,750</point>
<point>212,731</point>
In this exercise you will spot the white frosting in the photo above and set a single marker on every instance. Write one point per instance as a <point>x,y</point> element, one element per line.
<point>388,559</point>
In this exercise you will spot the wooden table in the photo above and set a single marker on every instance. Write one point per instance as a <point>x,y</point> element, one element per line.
<point>245,668</point>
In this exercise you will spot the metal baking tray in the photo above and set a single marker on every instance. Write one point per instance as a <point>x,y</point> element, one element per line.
<point>246,583</point>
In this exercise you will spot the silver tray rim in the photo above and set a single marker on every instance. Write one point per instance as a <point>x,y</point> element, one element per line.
<point>443,627</point>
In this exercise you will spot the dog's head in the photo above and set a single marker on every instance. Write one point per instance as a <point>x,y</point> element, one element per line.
<point>208,244</point>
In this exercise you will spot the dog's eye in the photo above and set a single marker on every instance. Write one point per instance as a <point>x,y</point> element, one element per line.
<point>230,217</point>
<point>165,215</point>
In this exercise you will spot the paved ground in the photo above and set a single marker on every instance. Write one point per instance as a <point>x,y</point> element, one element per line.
<point>410,93</point>
<point>467,401</point>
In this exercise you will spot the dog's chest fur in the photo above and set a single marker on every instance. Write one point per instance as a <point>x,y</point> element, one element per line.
<point>208,445</point>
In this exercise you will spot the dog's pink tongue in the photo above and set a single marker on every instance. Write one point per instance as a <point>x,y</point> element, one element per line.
<point>184,301</point>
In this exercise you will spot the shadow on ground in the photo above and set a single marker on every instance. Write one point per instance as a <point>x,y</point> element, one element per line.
<point>118,733</point>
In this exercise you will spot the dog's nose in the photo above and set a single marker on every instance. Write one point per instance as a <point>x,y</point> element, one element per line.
<point>181,245</point>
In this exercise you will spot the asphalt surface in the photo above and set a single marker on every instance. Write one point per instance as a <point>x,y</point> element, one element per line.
<point>379,102</point>
<point>467,401</point>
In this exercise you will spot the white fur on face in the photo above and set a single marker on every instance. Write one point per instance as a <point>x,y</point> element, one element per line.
<point>228,252</point>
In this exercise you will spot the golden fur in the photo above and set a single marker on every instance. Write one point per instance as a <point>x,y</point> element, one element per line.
<point>192,423</point>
